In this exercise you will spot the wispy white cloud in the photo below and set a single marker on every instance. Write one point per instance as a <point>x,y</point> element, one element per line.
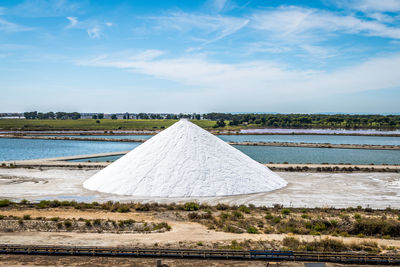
<point>290,22</point>
<point>261,80</point>
<point>217,6</point>
<point>94,32</point>
<point>267,47</point>
<point>370,5</point>
<point>46,8</point>
<point>146,55</point>
<point>8,26</point>
<point>94,29</point>
<point>321,52</point>
<point>211,28</point>
<point>381,17</point>
<point>73,21</point>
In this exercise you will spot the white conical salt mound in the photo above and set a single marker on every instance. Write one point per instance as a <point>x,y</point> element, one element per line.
<point>184,161</point>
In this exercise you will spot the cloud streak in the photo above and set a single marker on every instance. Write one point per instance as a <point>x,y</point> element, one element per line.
<point>218,27</point>
<point>295,23</point>
<point>371,5</point>
<point>93,29</point>
<point>260,81</point>
<point>7,26</point>
<point>73,21</point>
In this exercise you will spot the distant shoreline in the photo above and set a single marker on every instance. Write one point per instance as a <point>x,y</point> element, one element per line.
<point>213,131</point>
<point>278,144</point>
<point>64,163</point>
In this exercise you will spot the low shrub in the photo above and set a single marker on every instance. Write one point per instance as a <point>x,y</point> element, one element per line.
<point>4,203</point>
<point>194,216</point>
<point>224,215</point>
<point>123,208</point>
<point>162,225</point>
<point>191,206</point>
<point>24,202</point>
<point>68,224</point>
<point>285,211</point>
<point>236,215</point>
<point>276,220</point>
<point>252,230</point>
<point>376,226</point>
<point>244,209</point>
<point>269,216</point>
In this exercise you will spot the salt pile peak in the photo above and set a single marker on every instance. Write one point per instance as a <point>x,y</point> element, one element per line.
<point>184,161</point>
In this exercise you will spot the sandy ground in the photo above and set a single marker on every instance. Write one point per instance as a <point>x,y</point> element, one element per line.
<point>341,190</point>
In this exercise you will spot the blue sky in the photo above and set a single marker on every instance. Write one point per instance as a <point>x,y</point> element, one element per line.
<point>200,56</point>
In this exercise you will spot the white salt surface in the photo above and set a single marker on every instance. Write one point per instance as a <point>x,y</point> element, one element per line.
<point>184,161</point>
<point>340,190</point>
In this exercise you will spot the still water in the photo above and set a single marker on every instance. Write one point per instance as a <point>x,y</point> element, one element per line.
<point>19,149</point>
<point>266,154</point>
<point>319,131</point>
<point>331,139</point>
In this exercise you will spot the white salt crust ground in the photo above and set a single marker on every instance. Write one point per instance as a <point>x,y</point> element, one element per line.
<point>341,190</point>
<point>182,161</point>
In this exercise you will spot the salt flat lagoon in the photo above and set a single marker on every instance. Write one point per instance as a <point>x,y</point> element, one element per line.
<point>21,149</point>
<point>320,131</point>
<point>331,139</point>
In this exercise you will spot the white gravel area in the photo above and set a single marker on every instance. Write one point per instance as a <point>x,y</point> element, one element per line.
<point>376,190</point>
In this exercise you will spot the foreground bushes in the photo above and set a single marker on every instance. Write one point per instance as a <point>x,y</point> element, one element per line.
<point>376,226</point>
<point>328,245</point>
<point>56,224</point>
<point>248,218</point>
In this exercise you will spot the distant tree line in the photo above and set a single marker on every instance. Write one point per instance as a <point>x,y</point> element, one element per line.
<point>261,120</point>
<point>155,116</point>
<point>308,120</point>
<point>51,115</point>
<point>99,116</point>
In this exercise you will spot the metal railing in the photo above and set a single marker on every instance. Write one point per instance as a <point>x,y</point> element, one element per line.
<point>277,255</point>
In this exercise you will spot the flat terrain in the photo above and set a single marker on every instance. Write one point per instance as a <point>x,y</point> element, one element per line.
<point>90,124</point>
<point>87,125</point>
<point>341,190</point>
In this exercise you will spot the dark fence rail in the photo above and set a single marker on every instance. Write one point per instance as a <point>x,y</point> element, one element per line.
<point>360,258</point>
